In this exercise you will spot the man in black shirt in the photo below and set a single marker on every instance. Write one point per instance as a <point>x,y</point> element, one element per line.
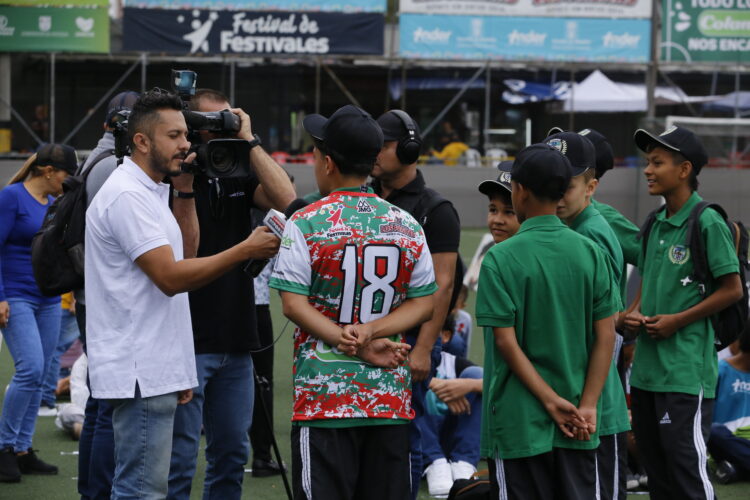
<point>397,180</point>
<point>223,315</point>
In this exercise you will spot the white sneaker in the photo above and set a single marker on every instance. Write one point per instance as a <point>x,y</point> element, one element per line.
<point>439,478</point>
<point>462,470</point>
<point>46,411</point>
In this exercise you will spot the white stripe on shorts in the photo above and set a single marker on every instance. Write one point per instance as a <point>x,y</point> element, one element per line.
<point>700,448</point>
<point>500,478</point>
<point>616,486</point>
<point>304,448</point>
<point>596,471</point>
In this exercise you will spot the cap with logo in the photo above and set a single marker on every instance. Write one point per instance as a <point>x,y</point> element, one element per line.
<point>678,139</point>
<point>605,157</point>
<point>59,156</point>
<point>122,101</point>
<point>542,168</point>
<point>579,150</point>
<point>350,131</point>
<point>491,186</point>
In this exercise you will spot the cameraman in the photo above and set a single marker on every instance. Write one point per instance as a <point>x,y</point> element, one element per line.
<point>141,356</point>
<point>223,315</point>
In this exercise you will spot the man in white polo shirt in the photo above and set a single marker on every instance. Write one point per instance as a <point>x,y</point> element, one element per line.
<point>140,342</point>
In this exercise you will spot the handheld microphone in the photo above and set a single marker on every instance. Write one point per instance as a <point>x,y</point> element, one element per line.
<point>275,221</point>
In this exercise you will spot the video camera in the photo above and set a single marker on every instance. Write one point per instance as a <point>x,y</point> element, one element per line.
<point>225,157</point>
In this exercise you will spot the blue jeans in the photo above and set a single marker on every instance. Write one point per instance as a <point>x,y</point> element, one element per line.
<point>143,439</point>
<point>723,445</point>
<point>223,403</point>
<point>68,335</point>
<point>96,446</point>
<point>418,394</point>
<point>31,336</point>
<point>454,437</point>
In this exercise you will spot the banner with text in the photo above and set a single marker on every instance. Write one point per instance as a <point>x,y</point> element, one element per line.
<point>292,5</point>
<point>53,29</point>
<point>59,3</point>
<point>706,30</point>
<point>493,37</point>
<point>244,32</point>
<point>532,8</point>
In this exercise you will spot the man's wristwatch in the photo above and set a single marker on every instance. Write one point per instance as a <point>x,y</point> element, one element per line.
<point>180,194</point>
<point>256,141</point>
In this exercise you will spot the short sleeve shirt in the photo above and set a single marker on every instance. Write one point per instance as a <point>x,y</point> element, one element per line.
<point>134,332</point>
<point>356,257</point>
<point>685,362</point>
<point>732,408</point>
<point>591,224</point>
<point>550,284</point>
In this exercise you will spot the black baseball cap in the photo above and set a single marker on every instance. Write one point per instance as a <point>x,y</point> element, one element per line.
<point>59,156</point>
<point>543,169</point>
<point>350,131</point>
<point>122,101</point>
<point>579,150</point>
<point>394,128</point>
<point>678,139</point>
<point>605,156</point>
<point>491,186</point>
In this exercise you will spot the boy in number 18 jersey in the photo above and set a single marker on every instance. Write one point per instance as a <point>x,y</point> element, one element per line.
<point>354,273</point>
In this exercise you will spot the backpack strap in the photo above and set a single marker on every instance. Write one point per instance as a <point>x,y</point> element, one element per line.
<point>648,224</point>
<point>104,154</point>
<point>694,241</point>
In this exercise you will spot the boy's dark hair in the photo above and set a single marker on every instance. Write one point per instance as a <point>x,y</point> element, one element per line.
<point>503,194</point>
<point>146,109</point>
<point>678,158</point>
<point>745,339</point>
<point>346,167</point>
<point>589,174</point>
<point>207,94</point>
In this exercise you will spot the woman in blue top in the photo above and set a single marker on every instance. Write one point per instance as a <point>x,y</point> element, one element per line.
<point>30,321</point>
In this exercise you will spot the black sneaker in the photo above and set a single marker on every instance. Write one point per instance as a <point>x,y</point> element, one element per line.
<point>9,472</point>
<point>266,468</point>
<point>725,472</point>
<point>31,464</point>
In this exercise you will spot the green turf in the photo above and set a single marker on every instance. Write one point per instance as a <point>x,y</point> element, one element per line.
<point>57,448</point>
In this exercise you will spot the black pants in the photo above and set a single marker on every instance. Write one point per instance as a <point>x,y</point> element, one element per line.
<point>560,474</point>
<point>260,432</point>
<point>671,431</point>
<point>611,460</point>
<point>352,463</point>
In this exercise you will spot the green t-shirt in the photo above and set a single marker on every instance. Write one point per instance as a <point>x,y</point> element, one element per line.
<point>626,233</point>
<point>591,224</point>
<point>550,284</point>
<point>685,362</point>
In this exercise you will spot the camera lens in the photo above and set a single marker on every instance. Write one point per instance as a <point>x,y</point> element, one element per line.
<point>223,160</point>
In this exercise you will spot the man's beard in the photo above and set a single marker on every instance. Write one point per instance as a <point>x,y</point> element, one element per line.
<point>160,163</point>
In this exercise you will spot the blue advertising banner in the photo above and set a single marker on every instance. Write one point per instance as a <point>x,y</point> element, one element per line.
<point>247,32</point>
<point>524,38</point>
<point>299,5</point>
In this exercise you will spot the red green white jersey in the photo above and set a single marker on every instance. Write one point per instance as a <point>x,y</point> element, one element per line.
<point>357,258</point>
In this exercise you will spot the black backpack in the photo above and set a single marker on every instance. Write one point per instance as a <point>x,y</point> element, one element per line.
<point>57,248</point>
<point>730,322</point>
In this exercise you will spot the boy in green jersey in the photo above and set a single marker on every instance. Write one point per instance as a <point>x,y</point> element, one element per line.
<point>352,268</point>
<point>576,210</point>
<point>674,371</point>
<point>545,299</point>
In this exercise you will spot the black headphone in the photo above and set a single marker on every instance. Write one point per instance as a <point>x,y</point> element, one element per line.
<point>409,146</point>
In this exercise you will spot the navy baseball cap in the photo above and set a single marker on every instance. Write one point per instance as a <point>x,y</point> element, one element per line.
<point>491,186</point>
<point>122,101</point>
<point>393,127</point>
<point>605,156</point>
<point>579,150</point>
<point>543,169</point>
<point>350,131</point>
<point>59,156</point>
<point>678,139</point>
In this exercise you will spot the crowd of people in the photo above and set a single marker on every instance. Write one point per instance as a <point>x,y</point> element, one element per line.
<point>178,339</point>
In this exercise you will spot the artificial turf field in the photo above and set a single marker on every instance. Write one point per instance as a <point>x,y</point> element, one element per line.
<point>55,447</point>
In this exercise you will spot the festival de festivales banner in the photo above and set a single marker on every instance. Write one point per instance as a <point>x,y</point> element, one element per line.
<point>532,8</point>
<point>706,31</point>
<point>518,38</point>
<point>53,29</point>
<point>248,32</point>
<point>290,5</point>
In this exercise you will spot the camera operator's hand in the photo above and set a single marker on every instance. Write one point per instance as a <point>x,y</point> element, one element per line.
<point>246,131</point>
<point>262,243</point>
<point>184,181</point>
